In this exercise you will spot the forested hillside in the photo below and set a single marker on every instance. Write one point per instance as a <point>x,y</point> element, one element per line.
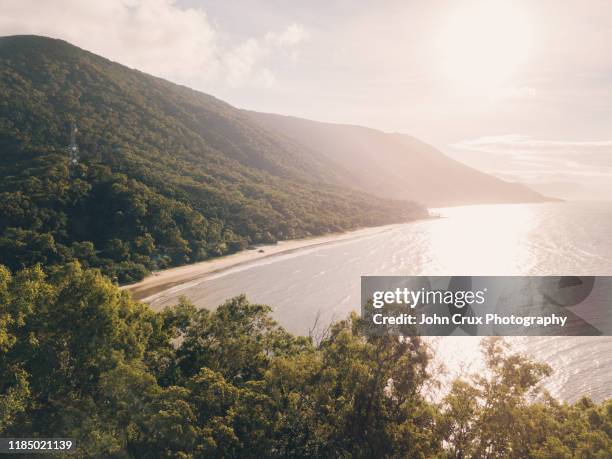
<point>396,165</point>
<point>166,175</point>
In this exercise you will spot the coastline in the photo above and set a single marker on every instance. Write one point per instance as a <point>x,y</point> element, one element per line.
<point>162,280</point>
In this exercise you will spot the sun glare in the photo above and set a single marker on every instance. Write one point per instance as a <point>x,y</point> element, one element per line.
<point>483,45</point>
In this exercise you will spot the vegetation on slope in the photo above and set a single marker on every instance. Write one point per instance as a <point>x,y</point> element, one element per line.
<point>79,358</point>
<point>167,175</point>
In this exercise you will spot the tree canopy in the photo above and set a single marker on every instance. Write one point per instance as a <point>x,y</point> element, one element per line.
<point>79,358</point>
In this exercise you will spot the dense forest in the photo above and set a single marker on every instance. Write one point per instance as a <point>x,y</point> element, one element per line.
<point>166,175</point>
<point>79,358</point>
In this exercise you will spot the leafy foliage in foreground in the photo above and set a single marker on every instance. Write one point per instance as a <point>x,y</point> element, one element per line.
<point>167,175</point>
<point>79,358</point>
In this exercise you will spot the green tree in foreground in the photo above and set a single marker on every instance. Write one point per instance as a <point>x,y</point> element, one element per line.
<point>79,358</point>
<point>505,413</point>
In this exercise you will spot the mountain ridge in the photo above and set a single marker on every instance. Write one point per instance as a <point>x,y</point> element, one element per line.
<point>395,165</point>
<point>167,175</point>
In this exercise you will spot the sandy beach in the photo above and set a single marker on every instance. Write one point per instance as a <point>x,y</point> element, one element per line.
<point>159,281</point>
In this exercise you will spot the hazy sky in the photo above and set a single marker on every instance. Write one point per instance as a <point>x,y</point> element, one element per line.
<point>519,88</point>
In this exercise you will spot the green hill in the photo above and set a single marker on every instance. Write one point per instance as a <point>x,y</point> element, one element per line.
<point>166,175</point>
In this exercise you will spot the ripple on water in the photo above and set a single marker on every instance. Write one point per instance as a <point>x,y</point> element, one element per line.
<point>534,239</point>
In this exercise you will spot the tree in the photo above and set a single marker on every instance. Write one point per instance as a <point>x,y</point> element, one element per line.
<point>79,358</point>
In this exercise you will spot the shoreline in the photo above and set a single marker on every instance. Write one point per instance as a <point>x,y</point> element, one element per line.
<point>162,280</point>
<point>159,281</point>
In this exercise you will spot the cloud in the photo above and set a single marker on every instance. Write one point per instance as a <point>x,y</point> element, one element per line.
<point>515,93</point>
<point>524,157</point>
<point>293,35</point>
<point>521,144</point>
<point>243,63</point>
<point>155,36</point>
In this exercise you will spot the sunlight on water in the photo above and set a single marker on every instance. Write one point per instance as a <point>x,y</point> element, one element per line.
<point>481,240</point>
<point>536,239</point>
<point>522,240</point>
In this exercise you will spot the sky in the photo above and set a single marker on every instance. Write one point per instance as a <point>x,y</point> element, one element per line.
<point>520,89</point>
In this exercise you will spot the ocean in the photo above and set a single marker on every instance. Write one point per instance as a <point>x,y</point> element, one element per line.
<point>311,287</point>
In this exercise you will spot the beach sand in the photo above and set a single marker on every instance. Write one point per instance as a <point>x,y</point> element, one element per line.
<point>165,279</point>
